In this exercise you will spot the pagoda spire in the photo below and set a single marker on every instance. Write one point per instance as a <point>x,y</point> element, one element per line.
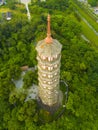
<point>48,38</point>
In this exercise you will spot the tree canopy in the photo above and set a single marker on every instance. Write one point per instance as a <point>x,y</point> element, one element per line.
<point>79,68</point>
<point>93,2</point>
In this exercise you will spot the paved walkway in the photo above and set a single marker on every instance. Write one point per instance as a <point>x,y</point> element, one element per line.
<point>26,2</point>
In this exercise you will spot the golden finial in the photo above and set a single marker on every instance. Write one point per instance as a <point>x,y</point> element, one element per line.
<point>48,38</point>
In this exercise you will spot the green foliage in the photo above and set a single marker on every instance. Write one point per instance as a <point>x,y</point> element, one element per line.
<point>93,2</point>
<point>11,4</point>
<point>79,68</point>
<point>54,5</point>
<point>29,78</point>
<point>14,71</point>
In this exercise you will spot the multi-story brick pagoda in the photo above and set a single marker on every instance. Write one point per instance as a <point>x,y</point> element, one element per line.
<point>48,56</point>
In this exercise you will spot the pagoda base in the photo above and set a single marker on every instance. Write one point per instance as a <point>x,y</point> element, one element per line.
<point>51,109</point>
<point>48,108</point>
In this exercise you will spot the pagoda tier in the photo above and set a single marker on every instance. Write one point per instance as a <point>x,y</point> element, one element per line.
<point>49,73</point>
<point>49,82</point>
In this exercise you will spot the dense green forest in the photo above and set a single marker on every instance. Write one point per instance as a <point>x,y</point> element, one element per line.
<point>79,67</point>
<point>93,2</point>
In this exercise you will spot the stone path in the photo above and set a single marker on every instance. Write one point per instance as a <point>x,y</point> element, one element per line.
<point>26,2</point>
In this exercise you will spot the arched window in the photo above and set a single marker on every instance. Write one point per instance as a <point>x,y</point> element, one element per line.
<point>44,82</point>
<point>44,75</point>
<point>55,73</point>
<point>49,82</point>
<point>50,76</point>
<point>55,66</point>
<point>43,66</point>
<point>55,80</point>
<point>43,57</point>
<point>56,56</point>
<point>50,58</point>
<point>50,68</point>
<point>44,86</point>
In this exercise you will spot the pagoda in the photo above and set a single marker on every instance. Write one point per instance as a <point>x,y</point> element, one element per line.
<point>49,56</point>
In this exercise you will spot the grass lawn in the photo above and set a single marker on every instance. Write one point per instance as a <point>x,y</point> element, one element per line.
<point>3,10</point>
<point>93,23</point>
<point>87,31</point>
<point>84,14</point>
